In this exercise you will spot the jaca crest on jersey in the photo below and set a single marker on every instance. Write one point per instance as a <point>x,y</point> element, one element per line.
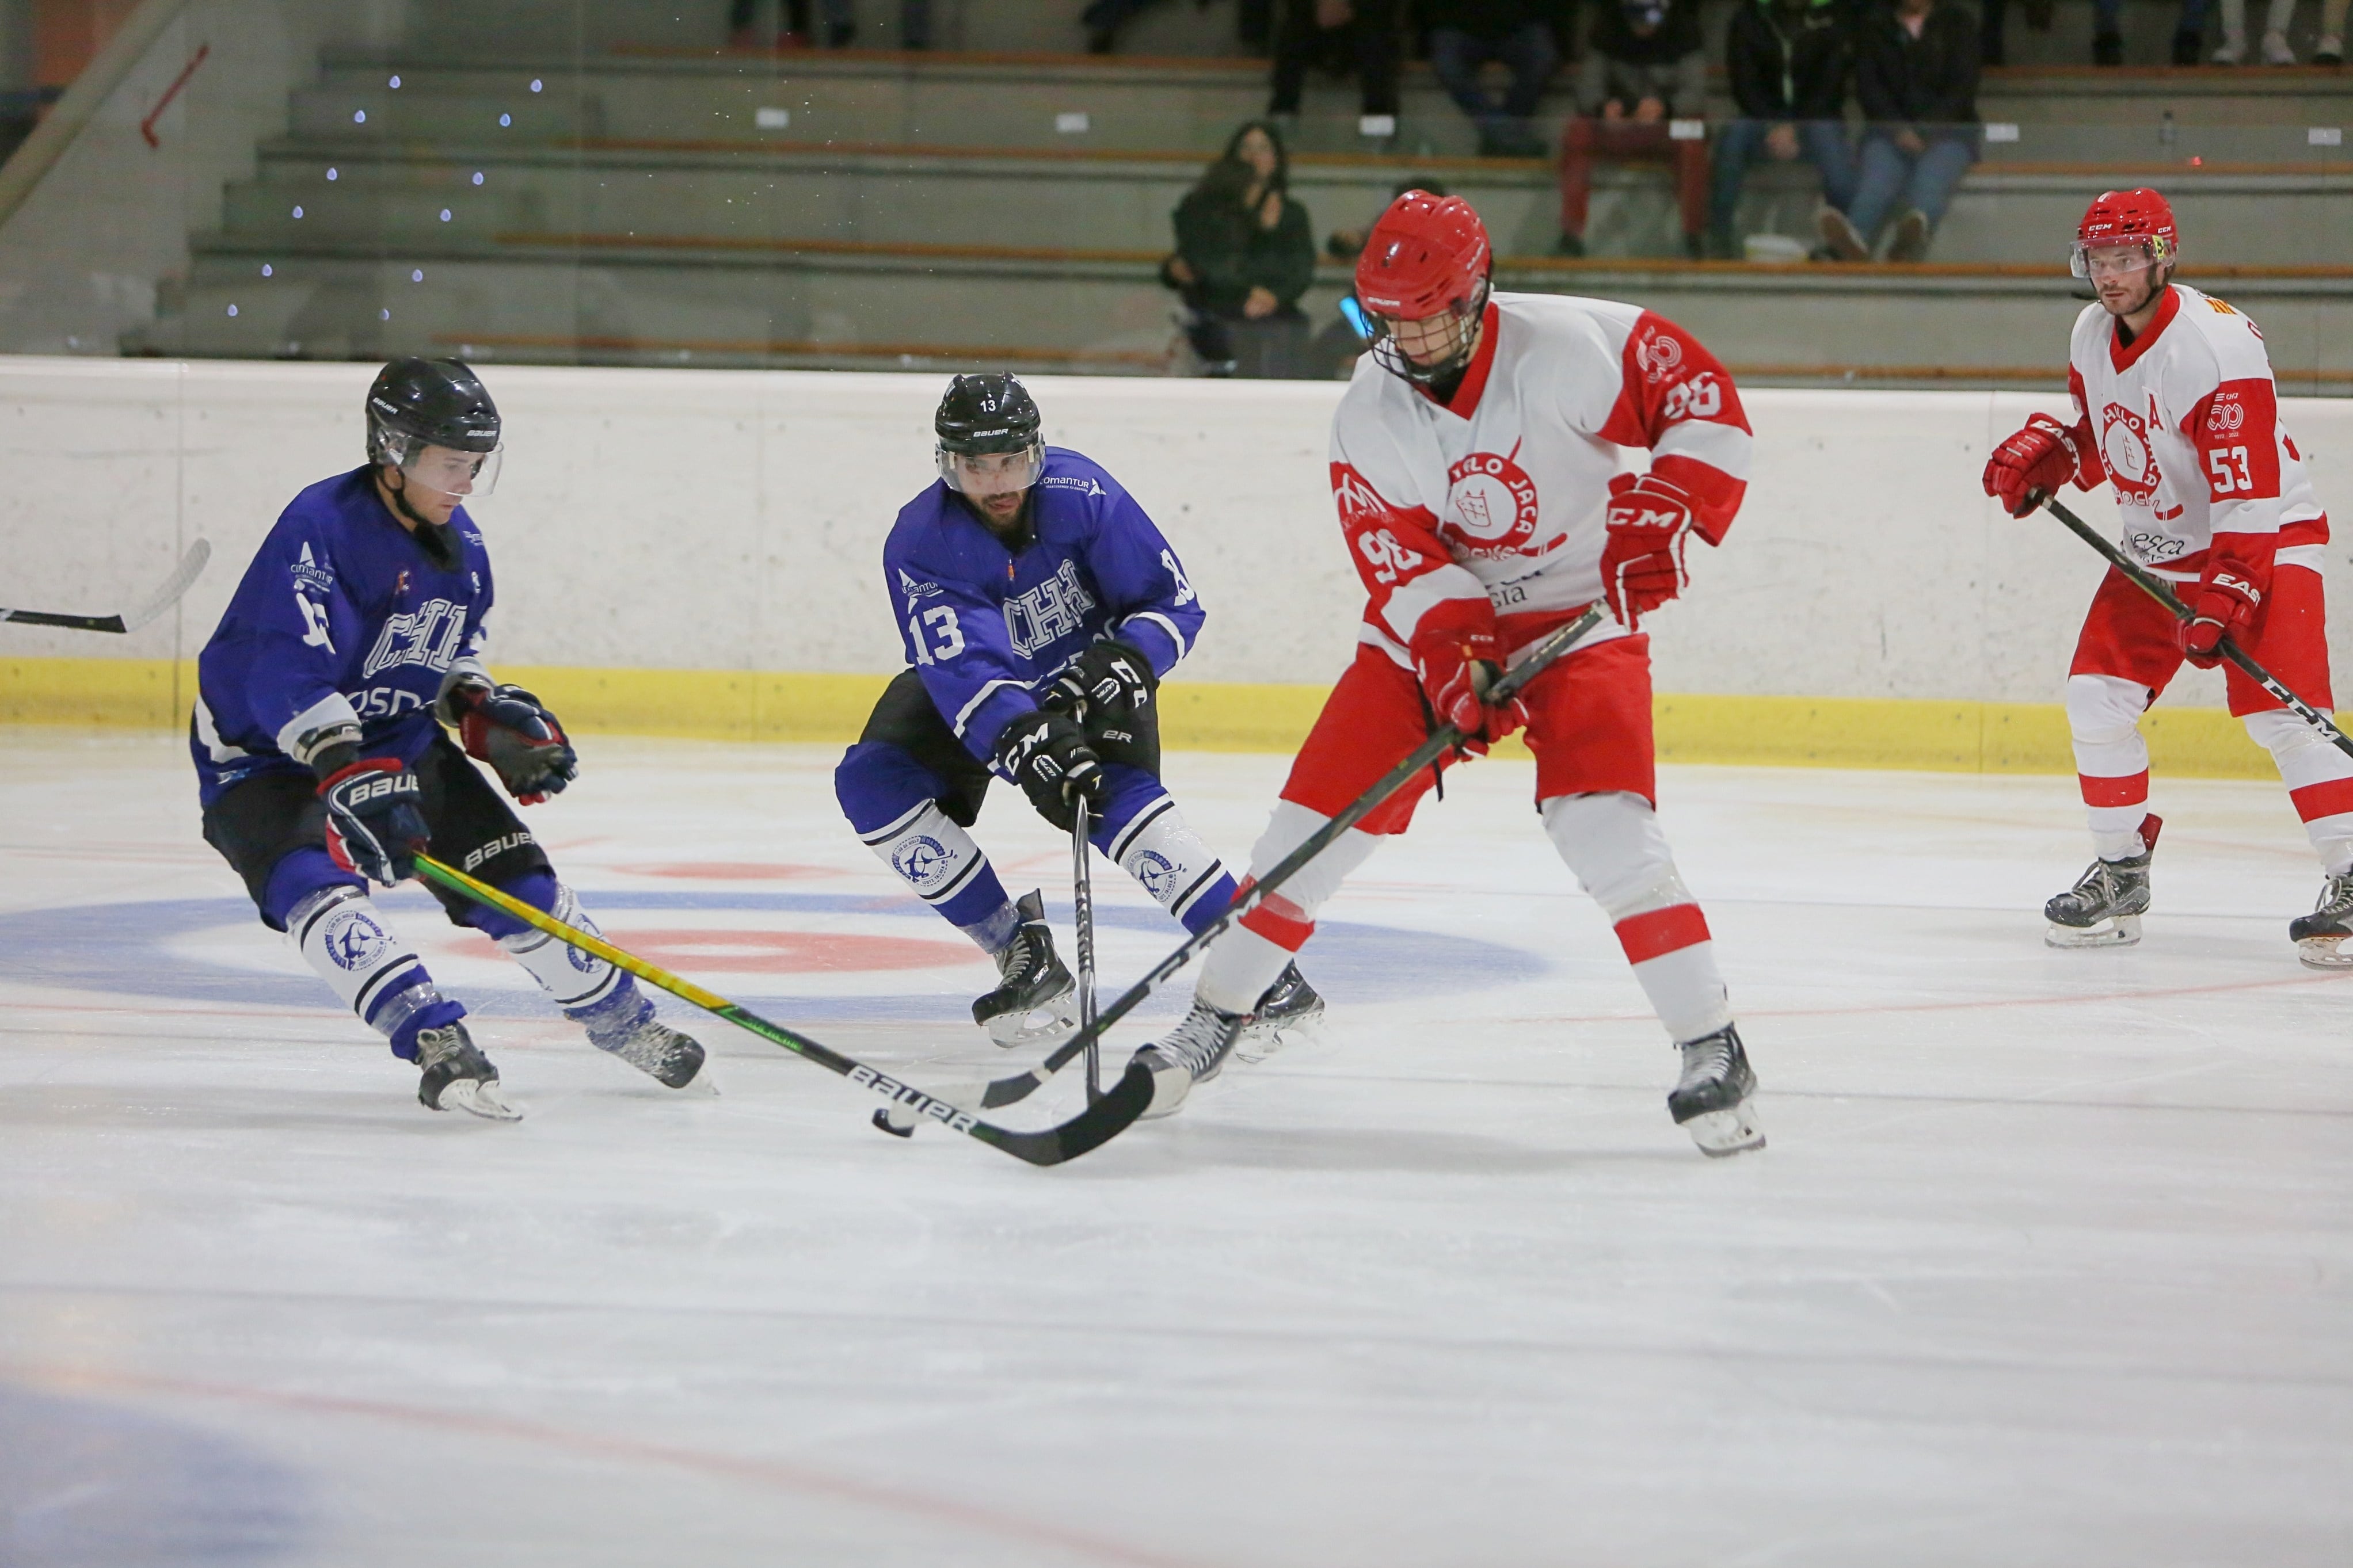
<point>1491,504</point>
<point>2125,448</point>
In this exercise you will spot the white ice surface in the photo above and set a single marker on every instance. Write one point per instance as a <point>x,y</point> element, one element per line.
<point>2048,1262</point>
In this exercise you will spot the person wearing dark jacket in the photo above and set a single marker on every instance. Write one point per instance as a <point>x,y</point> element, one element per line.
<point>1916,74</point>
<point>1466,35</point>
<point>1643,70</point>
<point>1787,62</point>
<point>1245,253</point>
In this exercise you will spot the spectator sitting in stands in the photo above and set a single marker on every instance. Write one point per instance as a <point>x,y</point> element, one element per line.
<point>1642,70</point>
<point>1368,29</point>
<point>1465,35</point>
<point>1245,253</point>
<point>1787,61</point>
<point>1916,74</point>
<point>2275,47</point>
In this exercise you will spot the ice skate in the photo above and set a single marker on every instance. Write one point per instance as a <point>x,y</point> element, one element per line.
<point>1038,1002</point>
<point>1712,1100</point>
<point>1194,1052</point>
<point>2104,908</point>
<point>457,1076</point>
<point>2319,936</point>
<point>633,1034</point>
<point>1288,1014</point>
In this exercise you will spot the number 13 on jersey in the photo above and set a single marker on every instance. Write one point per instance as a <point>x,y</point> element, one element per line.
<point>940,621</point>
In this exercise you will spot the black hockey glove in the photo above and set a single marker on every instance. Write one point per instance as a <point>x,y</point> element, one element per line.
<point>1109,676</point>
<point>506,727</point>
<point>1047,754</point>
<point>375,818</point>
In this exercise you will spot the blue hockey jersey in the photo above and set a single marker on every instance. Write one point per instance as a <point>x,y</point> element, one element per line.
<point>342,617</point>
<point>986,627</point>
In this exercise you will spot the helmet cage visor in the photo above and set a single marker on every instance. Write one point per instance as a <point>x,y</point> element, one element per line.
<point>1441,344</point>
<point>2153,250</point>
<point>992,472</point>
<point>444,471</point>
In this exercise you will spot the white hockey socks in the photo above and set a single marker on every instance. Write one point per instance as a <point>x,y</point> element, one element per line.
<point>2319,780</point>
<point>351,946</point>
<point>2111,759</point>
<point>1614,846</point>
<point>572,979</point>
<point>939,862</point>
<point>1160,850</point>
<point>1251,955</point>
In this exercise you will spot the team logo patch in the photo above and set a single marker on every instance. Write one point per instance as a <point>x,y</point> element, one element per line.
<point>1659,357</point>
<point>923,861</point>
<point>1157,873</point>
<point>2125,449</point>
<point>585,962</point>
<point>316,575</point>
<point>2227,414</point>
<point>1491,505</point>
<point>353,941</point>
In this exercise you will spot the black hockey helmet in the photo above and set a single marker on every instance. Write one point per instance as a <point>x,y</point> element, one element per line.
<point>417,404</point>
<point>981,416</point>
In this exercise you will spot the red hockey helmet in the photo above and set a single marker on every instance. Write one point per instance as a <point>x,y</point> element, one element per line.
<point>1426,257</point>
<point>2140,217</point>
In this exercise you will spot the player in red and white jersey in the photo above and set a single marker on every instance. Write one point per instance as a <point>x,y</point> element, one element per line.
<point>1479,464</point>
<point>2176,409</point>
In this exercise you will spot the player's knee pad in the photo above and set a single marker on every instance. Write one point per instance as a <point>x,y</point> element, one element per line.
<point>1158,847</point>
<point>931,854</point>
<point>351,946</point>
<point>301,874</point>
<point>573,979</point>
<point>2104,710</point>
<point>1614,846</point>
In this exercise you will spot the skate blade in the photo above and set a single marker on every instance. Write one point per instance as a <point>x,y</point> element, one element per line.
<point>1260,1041</point>
<point>2120,930</point>
<point>1012,1029</point>
<point>478,1097</point>
<point>704,1085</point>
<point>1722,1134</point>
<point>2323,952</point>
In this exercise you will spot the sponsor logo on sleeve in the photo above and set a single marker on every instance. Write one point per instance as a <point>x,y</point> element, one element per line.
<point>1084,483</point>
<point>319,576</point>
<point>915,589</point>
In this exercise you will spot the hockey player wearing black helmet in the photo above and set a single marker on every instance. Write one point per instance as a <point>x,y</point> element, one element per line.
<point>991,450</point>
<point>322,767</point>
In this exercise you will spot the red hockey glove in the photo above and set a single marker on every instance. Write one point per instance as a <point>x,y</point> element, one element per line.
<point>2225,606</point>
<point>1458,658</point>
<point>2042,456</point>
<point>375,818</point>
<point>506,727</point>
<point>1642,553</point>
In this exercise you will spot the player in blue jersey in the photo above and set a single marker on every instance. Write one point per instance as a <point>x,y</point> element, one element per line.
<point>355,636</point>
<point>1040,608</point>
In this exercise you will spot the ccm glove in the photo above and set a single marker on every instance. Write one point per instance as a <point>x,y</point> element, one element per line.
<point>2228,598</point>
<point>2037,460</point>
<point>1458,660</point>
<point>1046,753</point>
<point>506,727</point>
<point>1109,676</point>
<point>1643,552</point>
<point>375,818</point>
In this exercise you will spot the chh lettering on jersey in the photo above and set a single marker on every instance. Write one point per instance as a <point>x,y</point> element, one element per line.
<point>428,636</point>
<point>1054,609</point>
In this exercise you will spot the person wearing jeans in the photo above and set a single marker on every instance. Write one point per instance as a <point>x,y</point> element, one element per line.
<point>1787,62</point>
<point>1917,73</point>
<point>1466,35</point>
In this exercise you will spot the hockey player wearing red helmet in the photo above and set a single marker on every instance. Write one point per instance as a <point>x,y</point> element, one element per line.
<point>2175,408</point>
<point>1477,461</point>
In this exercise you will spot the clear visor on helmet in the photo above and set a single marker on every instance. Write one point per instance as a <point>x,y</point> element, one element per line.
<point>1428,348</point>
<point>2118,257</point>
<point>445,471</point>
<point>993,473</point>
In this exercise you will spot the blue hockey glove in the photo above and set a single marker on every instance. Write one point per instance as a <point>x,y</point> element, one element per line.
<point>375,818</point>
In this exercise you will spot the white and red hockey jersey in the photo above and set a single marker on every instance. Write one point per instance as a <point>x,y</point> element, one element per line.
<point>1502,492</point>
<point>2184,422</point>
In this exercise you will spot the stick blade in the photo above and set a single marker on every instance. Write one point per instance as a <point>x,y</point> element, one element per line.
<point>1089,1130</point>
<point>191,567</point>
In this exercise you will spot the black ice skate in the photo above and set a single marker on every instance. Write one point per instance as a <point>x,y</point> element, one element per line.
<point>2104,908</point>
<point>1286,1014</point>
<point>653,1047</point>
<point>1712,1100</point>
<point>457,1076</point>
<point>2317,935</point>
<point>1194,1052</point>
<point>1034,984</point>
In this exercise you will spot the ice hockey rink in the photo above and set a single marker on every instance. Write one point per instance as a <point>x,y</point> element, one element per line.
<point>2048,1261</point>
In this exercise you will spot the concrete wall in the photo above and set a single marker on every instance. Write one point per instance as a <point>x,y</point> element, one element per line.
<point>733,520</point>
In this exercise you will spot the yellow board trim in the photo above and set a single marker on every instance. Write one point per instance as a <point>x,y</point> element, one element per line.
<point>758,705</point>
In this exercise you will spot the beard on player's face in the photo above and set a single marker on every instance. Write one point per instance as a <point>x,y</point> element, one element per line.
<point>2130,293</point>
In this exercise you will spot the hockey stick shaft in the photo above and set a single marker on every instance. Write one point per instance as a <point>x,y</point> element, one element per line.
<point>1540,657</point>
<point>1096,1125</point>
<point>191,566</point>
<point>1082,901</point>
<point>2157,588</point>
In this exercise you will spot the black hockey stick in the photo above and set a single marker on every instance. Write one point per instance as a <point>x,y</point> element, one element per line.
<point>1082,900</point>
<point>1096,1125</point>
<point>1006,1090</point>
<point>2157,588</point>
<point>191,567</point>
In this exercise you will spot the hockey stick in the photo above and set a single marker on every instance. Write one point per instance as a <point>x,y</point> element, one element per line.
<point>1006,1090</point>
<point>1083,900</point>
<point>191,567</point>
<point>2157,588</point>
<point>1096,1125</point>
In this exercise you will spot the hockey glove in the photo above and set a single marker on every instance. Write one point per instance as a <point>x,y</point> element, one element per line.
<point>1047,754</point>
<point>375,818</point>
<point>1643,552</point>
<point>1109,676</point>
<point>2036,461</point>
<point>1458,658</point>
<point>2227,600</point>
<point>506,727</point>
